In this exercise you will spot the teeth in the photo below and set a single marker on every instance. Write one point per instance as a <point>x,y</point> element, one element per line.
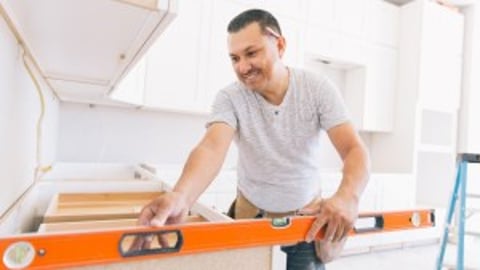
<point>250,75</point>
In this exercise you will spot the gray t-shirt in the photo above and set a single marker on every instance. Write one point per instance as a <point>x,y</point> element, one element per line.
<point>278,146</point>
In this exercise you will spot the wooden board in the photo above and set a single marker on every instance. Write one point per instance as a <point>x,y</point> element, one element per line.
<point>100,224</point>
<point>233,259</point>
<point>69,207</point>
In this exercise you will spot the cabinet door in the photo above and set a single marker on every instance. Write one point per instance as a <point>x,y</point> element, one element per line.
<point>173,61</point>
<point>346,49</point>
<point>382,23</point>
<point>350,17</point>
<point>90,44</point>
<point>381,86</point>
<point>292,31</point>
<point>469,129</point>
<point>441,62</point>
<point>321,13</point>
<point>442,29</point>
<point>318,42</point>
<point>370,90</point>
<point>131,89</point>
<point>285,9</point>
<point>440,81</point>
<point>219,71</point>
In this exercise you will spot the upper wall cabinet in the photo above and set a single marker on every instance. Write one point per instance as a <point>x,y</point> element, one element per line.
<point>361,37</point>
<point>382,23</point>
<point>469,128</point>
<point>85,47</point>
<point>440,63</point>
<point>343,30</point>
<point>370,90</point>
<point>173,73</point>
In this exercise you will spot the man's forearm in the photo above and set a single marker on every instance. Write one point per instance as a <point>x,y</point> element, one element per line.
<point>201,168</point>
<point>356,171</point>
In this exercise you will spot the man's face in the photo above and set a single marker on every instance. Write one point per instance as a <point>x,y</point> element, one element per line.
<point>254,55</point>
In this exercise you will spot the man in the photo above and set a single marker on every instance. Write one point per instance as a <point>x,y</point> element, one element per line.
<point>275,114</point>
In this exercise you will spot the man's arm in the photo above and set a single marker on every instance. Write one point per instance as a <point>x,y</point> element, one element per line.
<point>203,164</point>
<point>339,212</point>
<point>205,161</point>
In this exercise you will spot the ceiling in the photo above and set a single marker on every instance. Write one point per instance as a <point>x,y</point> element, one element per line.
<point>452,2</point>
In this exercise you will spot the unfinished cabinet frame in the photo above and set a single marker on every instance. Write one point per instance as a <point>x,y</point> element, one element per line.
<point>69,207</point>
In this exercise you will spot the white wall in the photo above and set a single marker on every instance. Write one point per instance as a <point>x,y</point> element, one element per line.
<point>19,113</point>
<point>111,134</point>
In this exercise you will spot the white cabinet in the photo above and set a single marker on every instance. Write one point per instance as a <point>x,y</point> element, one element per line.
<point>131,89</point>
<point>350,17</point>
<point>219,71</point>
<point>335,30</point>
<point>370,90</point>
<point>441,62</point>
<point>321,13</point>
<point>469,127</point>
<point>173,63</point>
<point>382,22</point>
<point>87,47</point>
<point>292,31</point>
<point>441,80</point>
<point>359,37</point>
<point>423,139</point>
<point>381,84</point>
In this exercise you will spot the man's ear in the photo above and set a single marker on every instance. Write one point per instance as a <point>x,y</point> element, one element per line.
<point>281,46</point>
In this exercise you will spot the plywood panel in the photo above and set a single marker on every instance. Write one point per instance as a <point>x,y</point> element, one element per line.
<point>234,259</point>
<point>64,198</point>
<point>100,224</point>
<point>67,207</point>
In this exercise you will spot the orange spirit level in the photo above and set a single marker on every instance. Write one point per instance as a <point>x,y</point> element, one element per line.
<point>42,251</point>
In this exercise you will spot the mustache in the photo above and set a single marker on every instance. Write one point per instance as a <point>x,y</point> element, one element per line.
<point>250,72</point>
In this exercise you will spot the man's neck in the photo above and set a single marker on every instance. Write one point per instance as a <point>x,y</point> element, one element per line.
<point>276,92</point>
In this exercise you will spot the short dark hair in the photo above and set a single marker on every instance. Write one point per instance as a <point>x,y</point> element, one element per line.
<point>262,17</point>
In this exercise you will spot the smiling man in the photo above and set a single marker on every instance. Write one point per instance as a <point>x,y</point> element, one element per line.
<point>274,113</point>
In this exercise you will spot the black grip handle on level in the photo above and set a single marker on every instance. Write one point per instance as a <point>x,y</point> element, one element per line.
<point>168,241</point>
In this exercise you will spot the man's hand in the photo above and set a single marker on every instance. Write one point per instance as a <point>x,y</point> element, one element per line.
<point>337,213</point>
<point>168,208</point>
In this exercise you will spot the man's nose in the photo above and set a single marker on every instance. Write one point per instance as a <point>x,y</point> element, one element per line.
<point>243,66</point>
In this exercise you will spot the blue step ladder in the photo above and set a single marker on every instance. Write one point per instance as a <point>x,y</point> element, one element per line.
<point>459,192</point>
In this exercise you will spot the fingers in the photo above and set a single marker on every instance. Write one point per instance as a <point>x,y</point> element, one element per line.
<point>317,225</point>
<point>137,244</point>
<point>331,219</point>
<point>162,240</point>
<point>331,230</point>
<point>346,230</point>
<point>153,214</point>
<point>160,218</point>
<point>339,231</point>
<point>146,215</point>
<point>312,209</point>
<point>141,243</point>
<point>309,211</point>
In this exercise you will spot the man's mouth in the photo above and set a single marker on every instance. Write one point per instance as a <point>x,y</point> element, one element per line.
<point>251,76</point>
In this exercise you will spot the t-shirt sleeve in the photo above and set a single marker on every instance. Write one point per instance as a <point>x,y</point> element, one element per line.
<point>331,108</point>
<point>222,111</point>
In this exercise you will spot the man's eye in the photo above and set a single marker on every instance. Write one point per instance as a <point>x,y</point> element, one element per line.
<point>251,54</point>
<point>234,59</point>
